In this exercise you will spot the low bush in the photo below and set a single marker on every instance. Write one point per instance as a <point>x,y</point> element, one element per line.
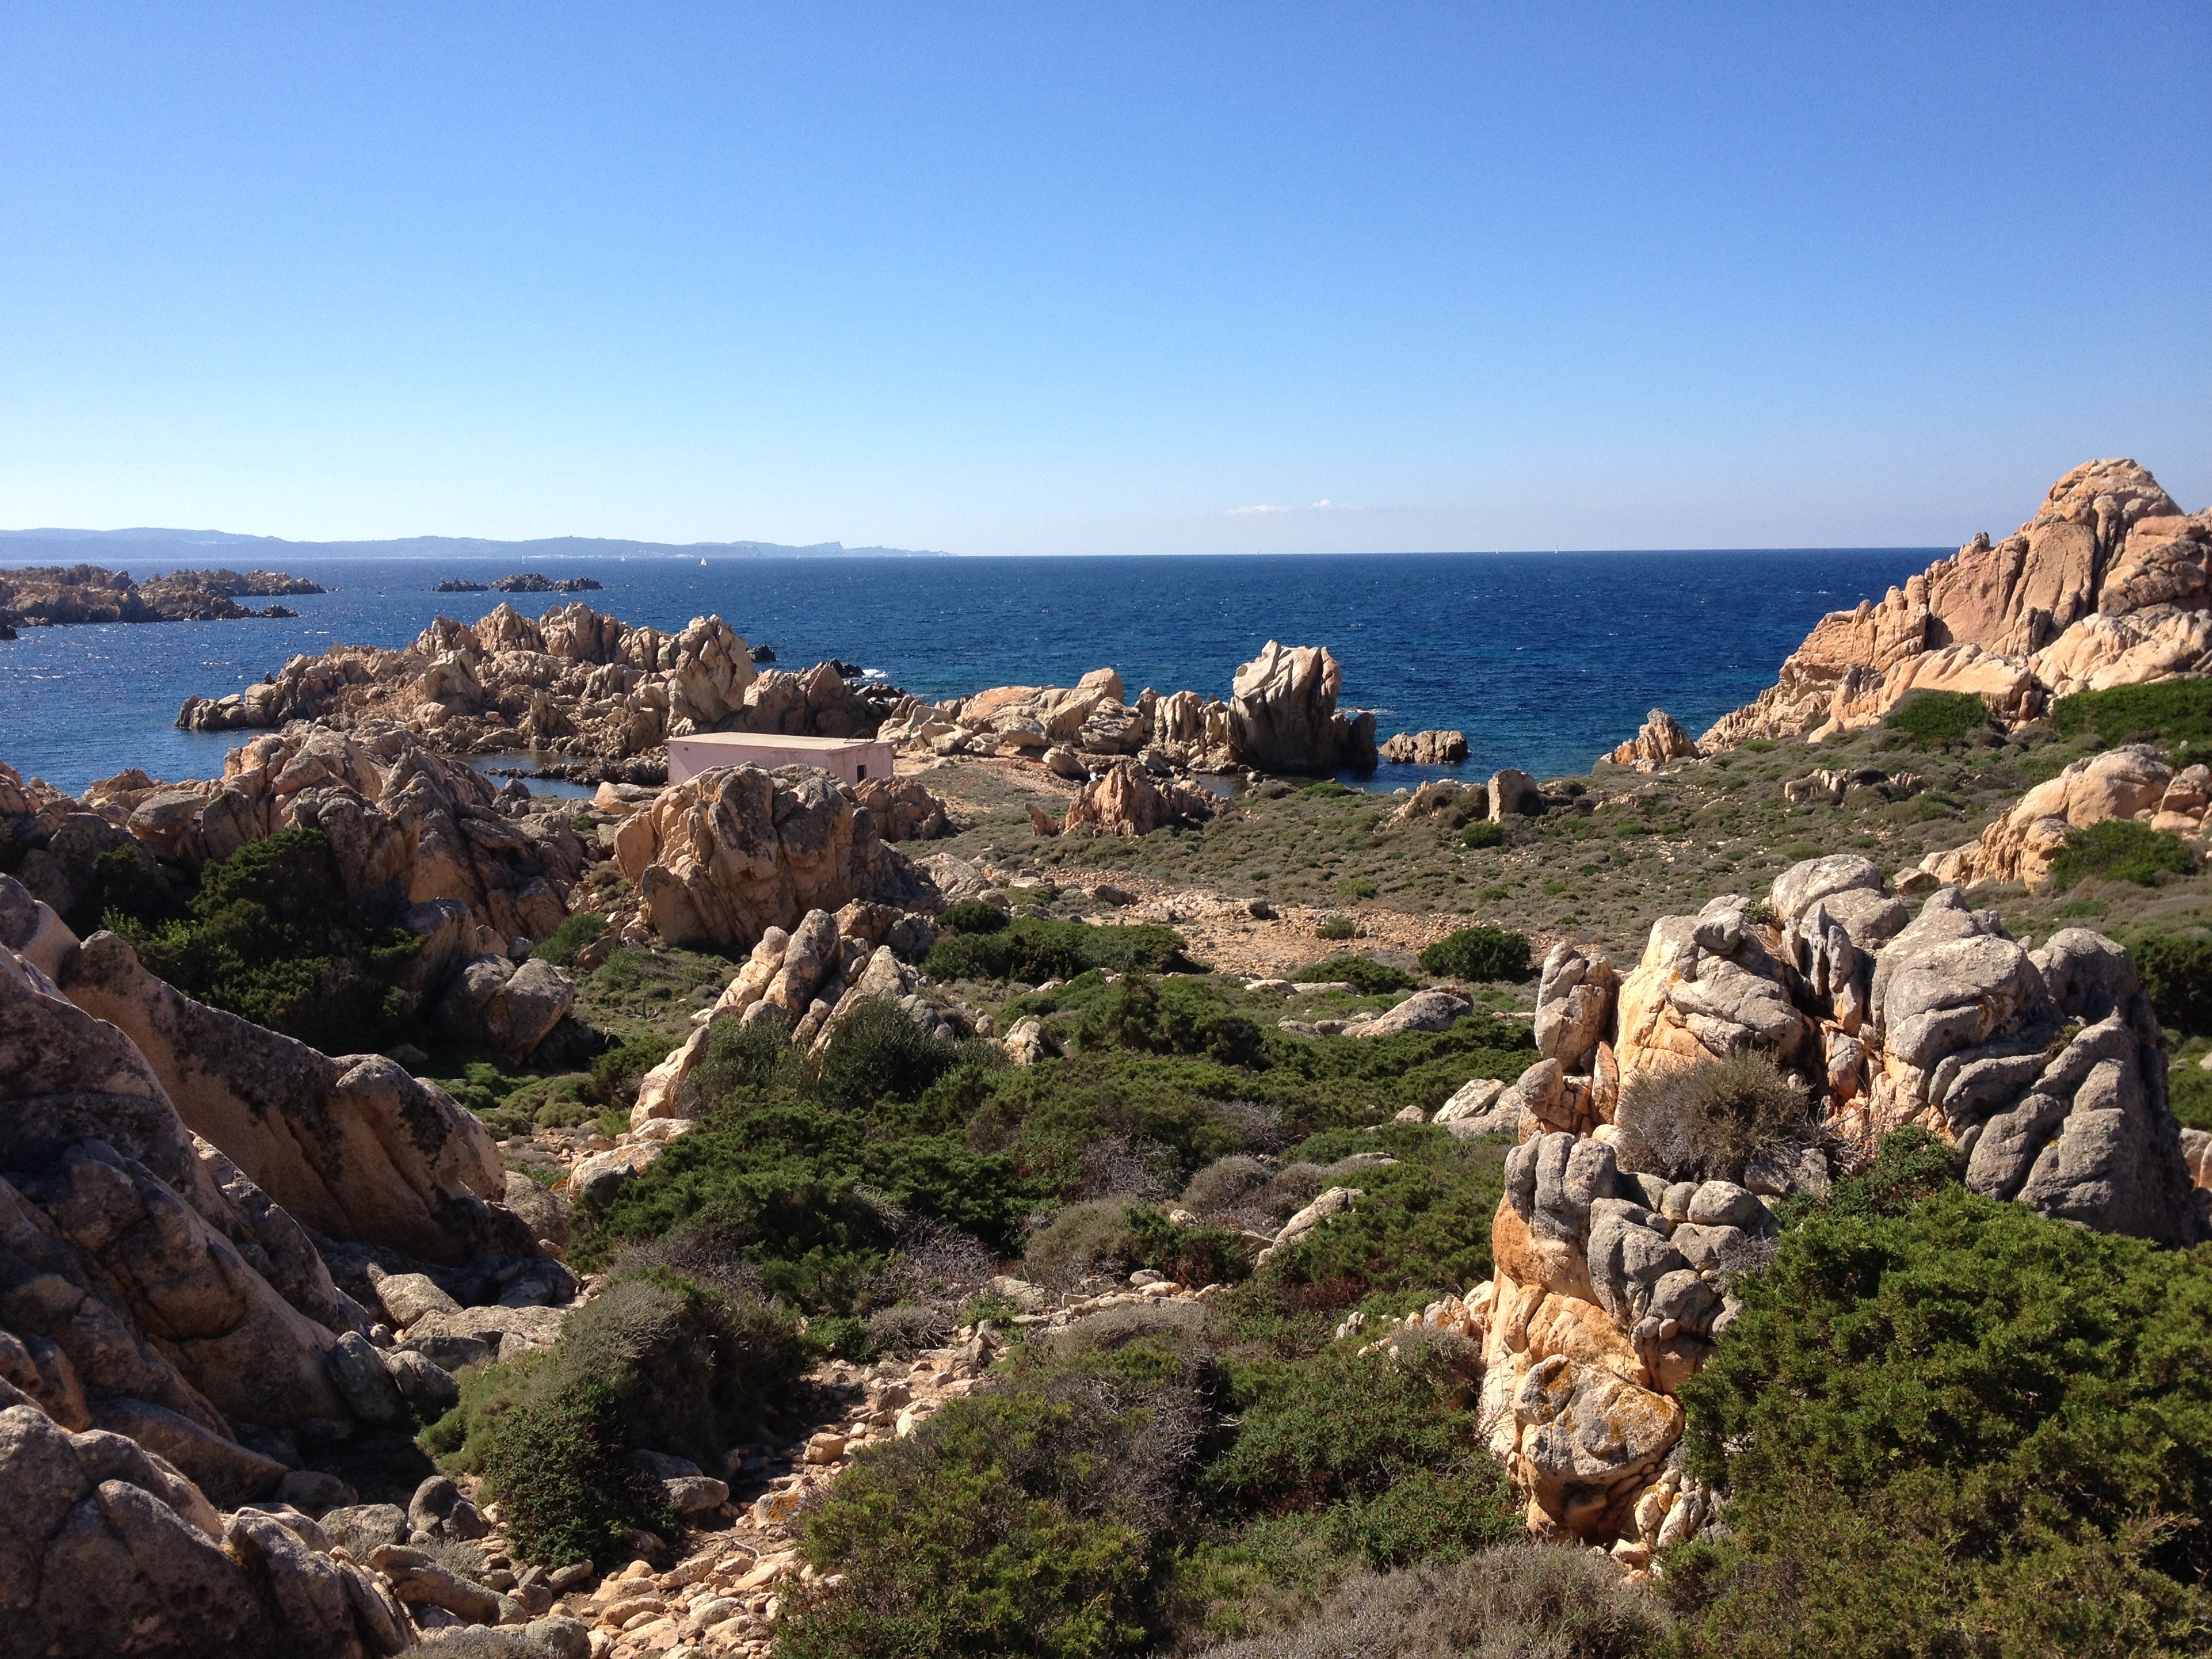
<point>1225,1184</point>
<point>1095,1236</point>
<point>1478,835</point>
<point>1933,719</point>
<point>1422,1221</point>
<point>1478,953</point>
<point>1335,928</point>
<point>1511,1601</point>
<point>1028,1520</point>
<point>2119,849</point>
<point>1194,1255</point>
<point>561,945</point>
<point>1705,1122</point>
<point>1175,1017</point>
<point>621,1066</point>
<point>1034,949</point>
<point>880,1053</point>
<point>972,916</point>
<point>272,936</point>
<point>1945,1425</point>
<point>1364,975</point>
<point>2176,969</point>
<point>656,1362</point>
<point>2165,712</point>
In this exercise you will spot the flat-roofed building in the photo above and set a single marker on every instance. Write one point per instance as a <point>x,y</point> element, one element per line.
<point>851,760</point>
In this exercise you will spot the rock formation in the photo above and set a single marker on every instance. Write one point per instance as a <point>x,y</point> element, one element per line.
<point>573,683</point>
<point>1426,748</point>
<point>53,595</point>
<point>2045,1067</point>
<point>719,859</point>
<point>1127,800</point>
<point>1660,738</point>
<point>2105,586</point>
<point>2119,783</point>
<point>1283,715</point>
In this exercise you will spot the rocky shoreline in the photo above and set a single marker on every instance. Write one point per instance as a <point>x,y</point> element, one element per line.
<point>61,596</point>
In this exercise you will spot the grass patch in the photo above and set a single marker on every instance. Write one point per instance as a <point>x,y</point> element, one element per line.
<point>1936,719</point>
<point>2167,713</point>
<point>1034,949</point>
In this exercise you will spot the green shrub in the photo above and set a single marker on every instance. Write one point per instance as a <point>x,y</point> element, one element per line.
<point>1035,949</point>
<point>272,936</point>
<point>1422,1222</point>
<point>1932,719</point>
<point>2165,712</point>
<point>1955,1427</point>
<point>1176,1017</point>
<point>2176,969</point>
<point>127,891</point>
<point>1483,835</point>
<point>1478,953</point>
<point>1092,1237</point>
<point>880,1053</point>
<point>1023,1520</point>
<point>654,1361</point>
<point>575,932</point>
<point>1193,1255</point>
<point>972,916</point>
<point>1364,975</point>
<point>741,1057</point>
<point>1705,1122</point>
<point>1335,927</point>
<point>619,1068</point>
<point>2119,849</point>
<point>1359,887</point>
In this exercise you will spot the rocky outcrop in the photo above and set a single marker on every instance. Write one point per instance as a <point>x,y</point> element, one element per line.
<point>724,856</point>
<point>1127,800</point>
<point>1283,715</point>
<point>107,1548</point>
<point>1660,738</point>
<point>2045,1067</point>
<point>573,683</point>
<point>813,976</point>
<point>2106,585</point>
<point>411,830</point>
<point>2119,783</point>
<point>352,1145</point>
<point>1426,748</point>
<point>56,595</point>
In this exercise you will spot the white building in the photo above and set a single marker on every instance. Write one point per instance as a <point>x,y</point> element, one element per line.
<point>852,760</point>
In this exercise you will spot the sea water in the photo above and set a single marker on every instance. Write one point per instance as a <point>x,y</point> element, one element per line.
<point>1544,659</point>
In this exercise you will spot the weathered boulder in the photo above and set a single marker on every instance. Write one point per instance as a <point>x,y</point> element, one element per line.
<point>1432,748</point>
<point>735,851</point>
<point>2118,783</point>
<point>493,1003</point>
<point>1574,1002</point>
<point>1709,986</point>
<point>106,1550</point>
<point>351,1145</point>
<point>134,1250</point>
<point>1424,1011</point>
<point>1126,800</point>
<point>1660,738</point>
<point>1283,715</point>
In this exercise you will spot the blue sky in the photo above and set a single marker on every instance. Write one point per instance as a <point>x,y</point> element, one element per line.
<point>1124,278</point>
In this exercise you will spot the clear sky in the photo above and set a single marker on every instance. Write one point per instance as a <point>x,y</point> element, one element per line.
<point>1050,278</point>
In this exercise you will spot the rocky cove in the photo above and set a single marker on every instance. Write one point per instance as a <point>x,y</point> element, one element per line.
<point>1106,1187</point>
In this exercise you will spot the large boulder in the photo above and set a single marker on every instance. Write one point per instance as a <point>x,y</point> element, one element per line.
<point>1283,715</point>
<point>107,1549</point>
<point>724,856</point>
<point>133,1248</point>
<point>352,1145</point>
<point>1126,800</point>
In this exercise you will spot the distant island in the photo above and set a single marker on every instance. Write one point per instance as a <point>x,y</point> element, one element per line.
<point>56,596</point>
<point>528,582</point>
<point>200,546</point>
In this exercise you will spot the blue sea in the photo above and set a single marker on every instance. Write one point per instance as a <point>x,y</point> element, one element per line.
<point>1544,659</point>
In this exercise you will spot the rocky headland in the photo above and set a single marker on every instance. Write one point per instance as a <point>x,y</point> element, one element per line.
<point>61,596</point>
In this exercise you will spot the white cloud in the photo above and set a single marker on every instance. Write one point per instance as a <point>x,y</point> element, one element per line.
<point>1324,505</point>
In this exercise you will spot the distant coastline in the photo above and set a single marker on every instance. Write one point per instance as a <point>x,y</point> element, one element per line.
<point>158,546</point>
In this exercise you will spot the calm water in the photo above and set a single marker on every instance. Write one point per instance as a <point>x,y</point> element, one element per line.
<point>1545,660</point>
